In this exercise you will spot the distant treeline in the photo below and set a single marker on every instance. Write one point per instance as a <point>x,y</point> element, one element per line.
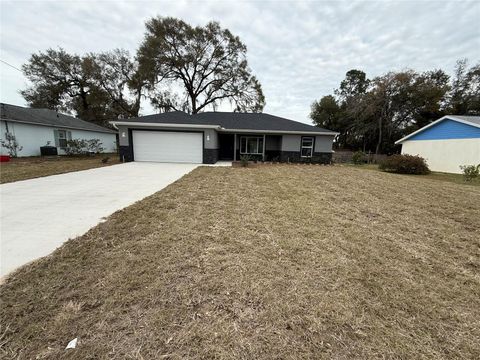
<point>371,114</point>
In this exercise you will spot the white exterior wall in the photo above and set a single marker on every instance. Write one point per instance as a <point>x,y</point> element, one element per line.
<point>31,137</point>
<point>108,140</point>
<point>445,155</point>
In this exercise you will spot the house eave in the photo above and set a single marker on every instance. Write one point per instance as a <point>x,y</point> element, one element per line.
<point>218,128</point>
<point>279,132</point>
<point>165,125</point>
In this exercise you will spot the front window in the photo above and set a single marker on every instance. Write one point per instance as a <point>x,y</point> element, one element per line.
<point>252,145</point>
<point>62,139</point>
<point>307,146</point>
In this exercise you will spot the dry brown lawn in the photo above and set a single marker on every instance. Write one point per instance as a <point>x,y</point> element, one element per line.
<point>453,178</point>
<point>276,262</point>
<point>33,167</point>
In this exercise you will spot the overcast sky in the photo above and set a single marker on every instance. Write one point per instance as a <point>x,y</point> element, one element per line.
<point>299,50</point>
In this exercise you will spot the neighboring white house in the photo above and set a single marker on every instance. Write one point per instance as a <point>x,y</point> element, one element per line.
<point>34,128</point>
<point>447,143</point>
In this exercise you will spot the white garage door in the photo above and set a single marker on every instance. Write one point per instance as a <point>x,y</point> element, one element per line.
<point>167,146</point>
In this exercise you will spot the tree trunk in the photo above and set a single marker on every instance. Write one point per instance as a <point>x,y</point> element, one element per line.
<point>377,149</point>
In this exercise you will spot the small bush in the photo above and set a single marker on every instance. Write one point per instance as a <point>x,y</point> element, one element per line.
<point>244,159</point>
<point>105,159</point>
<point>76,147</point>
<point>83,147</point>
<point>359,158</point>
<point>405,164</point>
<point>94,146</point>
<point>470,172</point>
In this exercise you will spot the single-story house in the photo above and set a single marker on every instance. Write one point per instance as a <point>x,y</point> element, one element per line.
<point>211,136</point>
<point>34,128</point>
<point>446,143</point>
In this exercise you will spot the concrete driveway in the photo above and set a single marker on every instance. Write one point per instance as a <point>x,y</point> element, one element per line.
<point>38,215</point>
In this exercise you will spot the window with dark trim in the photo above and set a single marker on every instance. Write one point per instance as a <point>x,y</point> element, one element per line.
<point>307,146</point>
<point>251,145</point>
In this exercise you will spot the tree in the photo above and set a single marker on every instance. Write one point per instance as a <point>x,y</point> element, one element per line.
<point>11,144</point>
<point>464,98</point>
<point>355,83</point>
<point>57,78</point>
<point>373,114</point>
<point>195,68</point>
<point>118,77</point>
<point>428,96</point>
<point>326,112</point>
<point>96,87</point>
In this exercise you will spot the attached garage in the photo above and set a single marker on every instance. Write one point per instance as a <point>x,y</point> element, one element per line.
<point>446,144</point>
<point>167,146</point>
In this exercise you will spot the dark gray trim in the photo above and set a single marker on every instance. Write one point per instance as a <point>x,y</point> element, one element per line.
<point>272,155</point>
<point>210,156</point>
<point>125,153</point>
<point>294,157</point>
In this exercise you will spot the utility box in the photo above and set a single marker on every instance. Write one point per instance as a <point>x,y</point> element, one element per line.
<point>48,151</point>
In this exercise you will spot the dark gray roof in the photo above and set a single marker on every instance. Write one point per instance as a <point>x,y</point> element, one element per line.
<point>230,121</point>
<point>47,117</point>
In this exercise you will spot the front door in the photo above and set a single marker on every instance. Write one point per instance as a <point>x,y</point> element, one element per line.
<point>226,146</point>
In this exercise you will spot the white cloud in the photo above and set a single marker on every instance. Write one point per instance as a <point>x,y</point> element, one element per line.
<point>300,51</point>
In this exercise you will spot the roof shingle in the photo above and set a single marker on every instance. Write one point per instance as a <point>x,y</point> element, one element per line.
<point>230,121</point>
<point>47,117</point>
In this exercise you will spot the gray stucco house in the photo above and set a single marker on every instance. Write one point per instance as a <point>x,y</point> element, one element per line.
<point>211,136</point>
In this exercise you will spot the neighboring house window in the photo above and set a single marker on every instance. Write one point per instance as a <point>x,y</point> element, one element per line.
<point>61,138</point>
<point>307,146</point>
<point>252,145</point>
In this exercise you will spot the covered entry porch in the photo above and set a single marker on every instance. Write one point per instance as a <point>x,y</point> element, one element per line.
<point>260,147</point>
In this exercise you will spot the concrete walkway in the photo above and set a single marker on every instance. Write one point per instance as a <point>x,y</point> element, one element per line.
<point>39,215</point>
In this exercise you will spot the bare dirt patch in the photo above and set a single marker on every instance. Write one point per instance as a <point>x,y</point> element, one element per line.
<point>284,261</point>
<point>33,167</point>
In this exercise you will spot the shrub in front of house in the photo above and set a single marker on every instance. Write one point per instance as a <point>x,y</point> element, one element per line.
<point>359,158</point>
<point>76,147</point>
<point>94,146</point>
<point>244,159</point>
<point>83,147</point>
<point>405,164</point>
<point>470,172</point>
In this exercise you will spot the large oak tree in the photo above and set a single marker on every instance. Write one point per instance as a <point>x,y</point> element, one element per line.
<point>195,68</point>
<point>96,87</point>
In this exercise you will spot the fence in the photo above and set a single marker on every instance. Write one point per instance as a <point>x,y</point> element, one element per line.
<point>345,156</point>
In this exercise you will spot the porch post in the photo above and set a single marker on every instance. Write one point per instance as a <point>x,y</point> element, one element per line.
<point>263,153</point>
<point>234,147</point>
